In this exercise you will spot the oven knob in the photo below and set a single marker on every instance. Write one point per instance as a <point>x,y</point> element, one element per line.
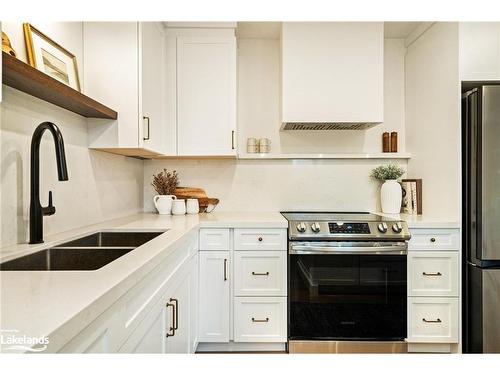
<point>382,227</point>
<point>315,227</point>
<point>397,227</point>
<point>301,227</point>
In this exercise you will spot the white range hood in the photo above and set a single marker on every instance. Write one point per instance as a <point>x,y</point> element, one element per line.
<point>332,75</point>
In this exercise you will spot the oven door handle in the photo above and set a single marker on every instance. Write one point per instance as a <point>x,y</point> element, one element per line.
<point>400,248</point>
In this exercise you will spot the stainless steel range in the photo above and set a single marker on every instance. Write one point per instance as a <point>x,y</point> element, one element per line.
<point>346,282</point>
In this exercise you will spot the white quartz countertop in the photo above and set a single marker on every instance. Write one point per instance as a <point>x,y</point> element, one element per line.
<point>44,303</point>
<point>426,221</point>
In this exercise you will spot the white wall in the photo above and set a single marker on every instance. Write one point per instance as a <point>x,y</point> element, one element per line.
<point>259,103</point>
<point>479,51</point>
<point>433,118</point>
<point>273,185</point>
<point>101,186</point>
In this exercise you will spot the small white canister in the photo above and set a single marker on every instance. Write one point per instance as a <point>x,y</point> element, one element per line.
<point>252,146</point>
<point>264,145</point>
<point>192,206</point>
<point>178,207</point>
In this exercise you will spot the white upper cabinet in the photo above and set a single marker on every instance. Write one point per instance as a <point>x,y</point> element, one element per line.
<point>204,111</point>
<point>125,67</point>
<point>479,51</point>
<point>332,72</point>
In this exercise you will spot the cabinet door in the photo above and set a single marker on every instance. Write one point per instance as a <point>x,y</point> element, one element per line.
<point>181,317</point>
<point>150,335</point>
<point>206,95</point>
<point>152,81</point>
<point>214,296</point>
<point>110,76</point>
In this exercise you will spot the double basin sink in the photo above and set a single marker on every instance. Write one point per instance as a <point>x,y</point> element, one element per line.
<point>83,254</point>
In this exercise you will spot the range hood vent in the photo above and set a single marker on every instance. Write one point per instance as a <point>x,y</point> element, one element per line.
<point>327,125</point>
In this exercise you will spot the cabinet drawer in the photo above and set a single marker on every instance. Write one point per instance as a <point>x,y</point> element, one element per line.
<point>434,239</point>
<point>214,239</point>
<point>260,273</point>
<point>433,273</point>
<point>433,320</point>
<point>260,239</point>
<point>260,319</point>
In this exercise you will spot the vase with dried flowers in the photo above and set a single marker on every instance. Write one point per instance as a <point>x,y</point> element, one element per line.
<point>390,192</point>
<point>165,184</point>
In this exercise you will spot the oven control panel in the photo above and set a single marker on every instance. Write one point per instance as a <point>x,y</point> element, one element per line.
<point>333,230</point>
<point>354,228</point>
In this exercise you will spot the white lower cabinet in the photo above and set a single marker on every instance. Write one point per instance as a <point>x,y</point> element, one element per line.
<point>433,320</point>
<point>155,316</point>
<point>260,319</point>
<point>433,290</point>
<point>168,327</point>
<point>214,310</point>
<point>433,273</point>
<point>259,273</point>
<point>243,289</point>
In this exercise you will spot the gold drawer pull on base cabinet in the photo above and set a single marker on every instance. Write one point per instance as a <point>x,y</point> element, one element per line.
<point>431,321</point>
<point>260,320</point>
<point>260,273</point>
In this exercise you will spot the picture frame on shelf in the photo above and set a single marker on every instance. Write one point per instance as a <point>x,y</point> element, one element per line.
<point>412,196</point>
<point>50,58</point>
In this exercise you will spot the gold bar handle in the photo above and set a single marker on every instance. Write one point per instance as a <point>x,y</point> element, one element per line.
<point>432,274</point>
<point>172,327</point>
<point>147,121</point>
<point>431,321</point>
<point>176,323</point>
<point>260,320</point>
<point>260,273</point>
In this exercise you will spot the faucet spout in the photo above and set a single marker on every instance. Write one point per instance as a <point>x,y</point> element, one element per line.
<point>37,212</point>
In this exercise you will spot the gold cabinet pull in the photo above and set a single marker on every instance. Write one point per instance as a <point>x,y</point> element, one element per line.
<point>431,321</point>
<point>260,273</point>
<point>172,327</point>
<point>176,322</point>
<point>260,320</point>
<point>225,269</point>
<point>147,121</point>
<point>432,274</point>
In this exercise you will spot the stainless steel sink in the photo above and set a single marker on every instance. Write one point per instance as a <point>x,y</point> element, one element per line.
<point>83,254</point>
<point>113,239</point>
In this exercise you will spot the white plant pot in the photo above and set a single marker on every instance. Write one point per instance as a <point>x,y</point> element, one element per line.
<point>163,203</point>
<point>390,197</point>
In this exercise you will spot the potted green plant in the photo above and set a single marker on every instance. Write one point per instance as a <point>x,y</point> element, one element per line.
<point>390,192</point>
<point>165,184</point>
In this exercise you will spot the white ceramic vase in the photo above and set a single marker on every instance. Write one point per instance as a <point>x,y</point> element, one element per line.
<point>390,197</point>
<point>163,203</point>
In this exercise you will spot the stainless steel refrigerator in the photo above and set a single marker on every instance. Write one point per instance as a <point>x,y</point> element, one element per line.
<point>481,217</point>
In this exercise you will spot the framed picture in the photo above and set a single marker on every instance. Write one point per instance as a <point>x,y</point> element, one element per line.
<point>412,196</point>
<point>49,57</point>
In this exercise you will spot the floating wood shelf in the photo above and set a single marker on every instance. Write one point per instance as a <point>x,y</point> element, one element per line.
<point>24,77</point>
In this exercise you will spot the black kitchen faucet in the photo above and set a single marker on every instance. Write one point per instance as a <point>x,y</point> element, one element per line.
<point>37,212</point>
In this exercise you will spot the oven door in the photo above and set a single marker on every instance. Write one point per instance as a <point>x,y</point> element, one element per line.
<point>347,291</point>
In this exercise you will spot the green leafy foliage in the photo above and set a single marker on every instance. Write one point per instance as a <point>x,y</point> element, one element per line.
<point>387,172</point>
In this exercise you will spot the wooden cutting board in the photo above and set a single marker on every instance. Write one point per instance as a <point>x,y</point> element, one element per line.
<point>183,192</point>
<point>189,192</point>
